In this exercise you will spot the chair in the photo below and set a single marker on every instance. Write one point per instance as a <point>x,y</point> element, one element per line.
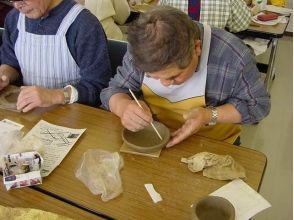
<point>1,33</point>
<point>116,50</point>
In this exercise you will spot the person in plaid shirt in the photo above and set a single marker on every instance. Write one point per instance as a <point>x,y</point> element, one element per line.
<point>231,14</point>
<point>193,78</point>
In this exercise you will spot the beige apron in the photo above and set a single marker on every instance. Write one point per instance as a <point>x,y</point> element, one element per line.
<point>169,103</point>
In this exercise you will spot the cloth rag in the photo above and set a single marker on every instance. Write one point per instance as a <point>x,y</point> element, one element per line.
<point>220,167</point>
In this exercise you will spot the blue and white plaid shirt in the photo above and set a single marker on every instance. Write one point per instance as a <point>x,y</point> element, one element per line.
<point>232,77</point>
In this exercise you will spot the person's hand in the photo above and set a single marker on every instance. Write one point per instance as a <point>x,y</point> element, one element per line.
<point>135,118</point>
<point>195,119</point>
<point>31,97</point>
<point>8,74</point>
<point>4,81</point>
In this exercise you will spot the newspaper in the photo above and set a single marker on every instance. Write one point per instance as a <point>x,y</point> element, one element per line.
<point>22,169</point>
<point>57,142</point>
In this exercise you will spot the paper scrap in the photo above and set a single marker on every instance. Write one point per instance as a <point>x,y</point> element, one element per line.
<point>57,141</point>
<point>259,45</point>
<point>4,128</point>
<point>12,124</point>
<point>246,201</point>
<point>155,196</point>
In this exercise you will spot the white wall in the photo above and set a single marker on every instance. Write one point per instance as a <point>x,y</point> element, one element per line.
<point>290,25</point>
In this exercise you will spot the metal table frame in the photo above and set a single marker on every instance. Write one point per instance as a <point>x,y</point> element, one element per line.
<point>272,33</point>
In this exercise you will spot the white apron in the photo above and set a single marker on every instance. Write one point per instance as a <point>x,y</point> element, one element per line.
<point>45,60</point>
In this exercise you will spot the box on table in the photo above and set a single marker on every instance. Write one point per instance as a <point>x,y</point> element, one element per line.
<point>22,169</point>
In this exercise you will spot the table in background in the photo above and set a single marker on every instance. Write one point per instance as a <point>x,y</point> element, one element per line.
<point>178,186</point>
<point>272,33</point>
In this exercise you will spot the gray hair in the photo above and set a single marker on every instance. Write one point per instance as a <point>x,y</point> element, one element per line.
<point>162,37</point>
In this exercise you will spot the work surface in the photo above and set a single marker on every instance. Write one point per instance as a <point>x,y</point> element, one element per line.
<point>178,186</point>
<point>29,198</point>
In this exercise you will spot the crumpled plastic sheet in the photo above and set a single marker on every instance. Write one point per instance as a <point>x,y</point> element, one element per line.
<point>99,171</point>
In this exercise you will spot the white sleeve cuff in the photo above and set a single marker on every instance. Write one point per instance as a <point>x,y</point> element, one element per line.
<point>74,94</point>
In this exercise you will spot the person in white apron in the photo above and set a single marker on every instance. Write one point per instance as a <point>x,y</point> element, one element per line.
<point>50,73</point>
<point>194,79</point>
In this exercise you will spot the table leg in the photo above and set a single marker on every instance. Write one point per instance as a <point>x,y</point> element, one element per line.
<point>270,70</point>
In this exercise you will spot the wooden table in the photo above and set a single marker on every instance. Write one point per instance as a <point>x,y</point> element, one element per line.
<point>29,198</point>
<point>178,186</point>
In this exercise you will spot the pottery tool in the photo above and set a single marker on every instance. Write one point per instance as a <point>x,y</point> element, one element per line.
<point>134,97</point>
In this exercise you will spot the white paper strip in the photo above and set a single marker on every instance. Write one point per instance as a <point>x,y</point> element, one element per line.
<point>156,197</point>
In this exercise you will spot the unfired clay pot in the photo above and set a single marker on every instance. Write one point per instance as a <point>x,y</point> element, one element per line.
<point>146,140</point>
<point>213,207</point>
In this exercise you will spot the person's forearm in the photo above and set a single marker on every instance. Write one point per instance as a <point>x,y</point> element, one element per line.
<point>9,72</point>
<point>118,102</point>
<point>227,113</point>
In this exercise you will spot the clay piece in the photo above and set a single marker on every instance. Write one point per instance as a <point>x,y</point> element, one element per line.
<point>146,140</point>
<point>8,98</point>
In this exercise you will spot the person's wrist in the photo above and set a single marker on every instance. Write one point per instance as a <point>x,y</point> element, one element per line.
<point>122,106</point>
<point>118,103</point>
<point>207,116</point>
<point>58,97</point>
<point>66,96</point>
<point>213,115</point>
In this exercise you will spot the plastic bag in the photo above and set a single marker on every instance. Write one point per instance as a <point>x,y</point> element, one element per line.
<point>99,171</point>
<point>13,142</point>
<point>8,140</point>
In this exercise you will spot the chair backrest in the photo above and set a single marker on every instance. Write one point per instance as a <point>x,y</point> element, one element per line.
<point>116,50</point>
<point>1,34</point>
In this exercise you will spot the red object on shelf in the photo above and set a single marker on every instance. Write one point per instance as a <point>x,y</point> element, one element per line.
<point>267,17</point>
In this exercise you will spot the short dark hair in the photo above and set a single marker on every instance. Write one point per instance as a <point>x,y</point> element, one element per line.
<point>162,37</point>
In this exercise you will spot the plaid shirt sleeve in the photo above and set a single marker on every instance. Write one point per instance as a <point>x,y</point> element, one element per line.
<point>127,76</point>
<point>234,78</point>
<point>240,16</point>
